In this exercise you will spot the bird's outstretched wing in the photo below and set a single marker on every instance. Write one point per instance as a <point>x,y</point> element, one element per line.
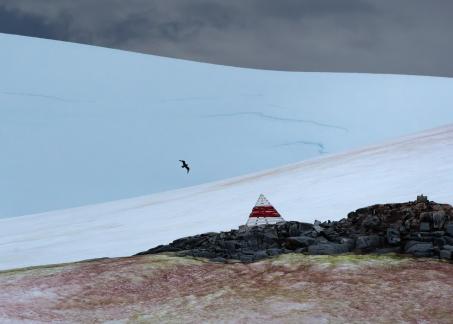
<point>185,165</point>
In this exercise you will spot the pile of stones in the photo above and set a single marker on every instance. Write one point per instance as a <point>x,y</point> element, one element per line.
<point>420,228</point>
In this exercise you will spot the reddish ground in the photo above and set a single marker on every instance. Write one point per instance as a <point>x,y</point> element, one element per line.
<point>287,289</point>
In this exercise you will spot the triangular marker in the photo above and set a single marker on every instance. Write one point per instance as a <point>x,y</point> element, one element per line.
<point>264,213</point>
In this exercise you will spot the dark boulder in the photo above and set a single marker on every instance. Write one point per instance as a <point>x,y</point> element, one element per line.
<point>296,228</point>
<point>293,243</point>
<point>293,229</point>
<point>448,240</point>
<point>331,234</point>
<point>371,222</point>
<point>419,249</point>
<point>425,227</point>
<point>447,252</point>
<point>349,242</point>
<point>258,255</point>
<point>317,227</point>
<point>449,229</point>
<point>439,218</point>
<point>328,248</point>
<point>274,251</point>
<point>393,236</point>
<point>368,242</point>
<point>228,245</point>
<point>246,258</point>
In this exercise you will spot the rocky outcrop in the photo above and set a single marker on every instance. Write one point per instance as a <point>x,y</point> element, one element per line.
<point>420,228</point>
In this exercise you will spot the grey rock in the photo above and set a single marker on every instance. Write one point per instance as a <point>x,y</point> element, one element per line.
<point>274,251</point>
<point>305,227</point>
<point>243,228</point>
<point>448,240</point>
<point>371,222</point>
<point>327,224</point>
<point>410,243</point>
<point>446,254</point>
<point>438,233</point>
<point>448,247</point>
<point>331,234</point>
<point>311,233</point>
<point>229,245</point>
<point>403,229</point>
<point>252,244</point>
<point>421,236</point>
<point>270,237</point>
<point>426,217</point>
<point>322,239</point>
<point>407,224</point>
<point>293,229</point>
<point>449,229</point>
<point>293,243</point>
<point>349,242</point>
<point>393,236</point>
<point>328,248</point>
<point>439,218</point>
<point>246,257</point>
<point>420,249</point>
<point>260,255</point>
<point>247,252</point>
<point>439,241</point>
<point>425,227</point>
<point>368,242</point>
<point>318,229</point>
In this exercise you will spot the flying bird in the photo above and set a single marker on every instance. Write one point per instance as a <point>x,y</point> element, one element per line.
<point>185,165</point>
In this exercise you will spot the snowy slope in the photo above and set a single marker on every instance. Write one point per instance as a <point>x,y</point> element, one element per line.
<point>324,188</point>
<point>81,124</point>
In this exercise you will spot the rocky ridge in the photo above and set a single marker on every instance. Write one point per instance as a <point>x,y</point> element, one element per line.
<point>420,228</point>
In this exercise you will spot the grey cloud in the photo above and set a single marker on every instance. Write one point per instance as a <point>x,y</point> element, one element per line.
<point>296,9</point>
<point>378,36</point>
<point>24,24</point>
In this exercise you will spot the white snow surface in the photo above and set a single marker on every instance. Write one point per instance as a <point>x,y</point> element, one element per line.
<point>82,124</point>
<point>324,188</point>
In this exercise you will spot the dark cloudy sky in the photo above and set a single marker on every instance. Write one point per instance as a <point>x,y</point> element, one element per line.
<point>382,36</point>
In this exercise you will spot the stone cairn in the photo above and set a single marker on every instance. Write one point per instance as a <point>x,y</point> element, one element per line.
<point>420,228</point>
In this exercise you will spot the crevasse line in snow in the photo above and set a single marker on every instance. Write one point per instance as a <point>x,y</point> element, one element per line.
<point>37,95</point>
<point>277,118</point>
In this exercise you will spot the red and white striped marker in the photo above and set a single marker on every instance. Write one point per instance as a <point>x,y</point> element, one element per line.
<point>264,213</point>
